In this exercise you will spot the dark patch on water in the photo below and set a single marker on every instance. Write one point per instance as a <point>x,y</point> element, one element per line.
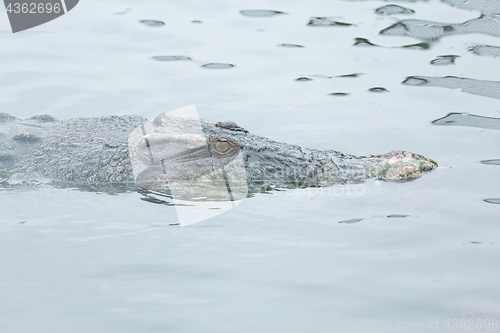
<point>303,78</point>
<point>428,30</point>
<point>310,77</point>
<point>444,60</point>
<point>123,12</point>
<point>378,90</point>
<point>351,221</point>
<point>327,22</point>
<point>260,13</point>
<point>491,162</point>
<point>339,94</point>
<point>465,119</point>
<point>363,42</point>
<point>172,58</point>
<point>218,65</point>
<point>471,86</point>
<point>418,46</point>
<point>477,243</point>
<point>495,201</point>
<point>351,75</point>
<point>197,21</point>
<point>397,216</point>
<point>485,50</point>
<point>152,23</point>
<point>393,9</point>
<point>291,45</point>
<point>366,42</point>
<point>485,6</point>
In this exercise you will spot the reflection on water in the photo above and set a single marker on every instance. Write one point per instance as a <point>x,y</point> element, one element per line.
<point>291,45</point>
<point>471,86</point>
<point>378,90</point>
<point>260,13</point>
<point>393,9</point>
<point>466,119</point>
<point>390,216</point>
<point>444,60</point>
<point>485,6</point>
<point>417,46</point>
<point>327,22</point>
<point>152,23</point>
<point>172,58</point>
<point>491,162</point>
<point>217,65</point>
<point>428,30</point>
<point>485,50</point>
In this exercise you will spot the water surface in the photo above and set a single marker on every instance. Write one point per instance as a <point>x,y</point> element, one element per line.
<point>421,251</point>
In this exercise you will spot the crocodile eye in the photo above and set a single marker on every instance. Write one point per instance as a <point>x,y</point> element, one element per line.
<point>222,147</point>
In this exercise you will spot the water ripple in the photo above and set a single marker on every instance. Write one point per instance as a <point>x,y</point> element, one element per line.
<point>466,119</point>
<point>428,30</point>
<point>485,50</point>
<point>152,23</point>
<point>327,22</point>
<point>471,86</point>
<point>495,201</point>
<point>260,13</point>
<point>393,9</point>
<point>444,60</point>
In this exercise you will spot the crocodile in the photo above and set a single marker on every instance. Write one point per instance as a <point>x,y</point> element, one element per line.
<point>96,152</point>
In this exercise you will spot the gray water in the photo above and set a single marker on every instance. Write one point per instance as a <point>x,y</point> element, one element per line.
<point>410,254</point>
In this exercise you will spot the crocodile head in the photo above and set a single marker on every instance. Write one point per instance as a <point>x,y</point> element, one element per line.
<point>179,154</point>
<point>400,165</point>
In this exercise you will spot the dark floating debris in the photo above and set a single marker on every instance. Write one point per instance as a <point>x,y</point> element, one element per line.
<point>309,77</point>
<point>486,24</point>
<point>123,12</point>
<point>393,9</point>
<point>465,119</point>
<point>351,75</point>
<point>339,94</point>
<point>291,45</point>
<point>152,23</point>
<point>378,90</point>
<point>491,162</point>
<point>327,22</point>
<point>485,6</point>
<point>397,216</point>
<point>477,243</point>
<point>471,86</point>
<point>363,42</point>
<point>260,13</point>
<point>418,46</point>
<point>172,58</point>
<point>444,60</point>
<point>217,65</point>
<point>495,201</point>
<point>197,21</point>
<point>351,221</point>
<point>366,42</point>
<point>485,50</point>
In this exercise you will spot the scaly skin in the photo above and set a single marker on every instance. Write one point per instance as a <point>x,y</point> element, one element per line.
<point>94,151</point>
